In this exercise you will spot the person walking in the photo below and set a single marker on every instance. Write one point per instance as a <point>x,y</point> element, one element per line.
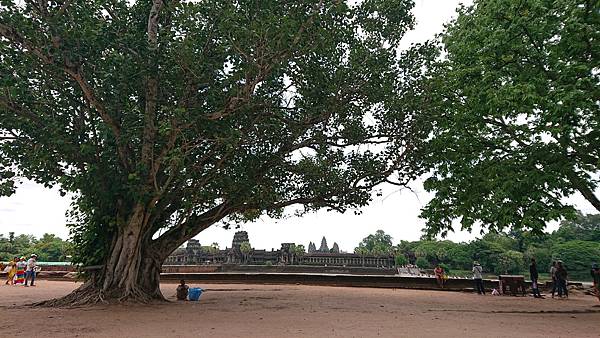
<point>595,272</point>
<point>477,271</point>
<point>31,270</point>
<point>561,278</point>
<point>533,274</point>
<point>553,276</point>
<point>11,271</point>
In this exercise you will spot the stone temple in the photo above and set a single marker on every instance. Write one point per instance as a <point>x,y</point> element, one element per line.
<point>196,254</point>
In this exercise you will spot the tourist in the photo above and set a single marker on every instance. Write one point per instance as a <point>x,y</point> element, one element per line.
<point>182,290</point>
<point>561,279</point>
<point>477,270</point>
<point>595,272</point>
<point>11,271</point>
<point>553,275</point>
<point>439,275</point>
<point>20,274</point>
<point>31,270</point>
<point>533,274</point>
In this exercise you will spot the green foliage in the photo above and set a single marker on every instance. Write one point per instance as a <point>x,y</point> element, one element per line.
<point>48,248</point>
<point>423,263</point>
<point>577,256</point>
<point>245,248</point>
<point>377,244</point>
<point>510,262</point>
<point>215,112</point>
<point>298,249</point>
<point>583,228</point>
<point>511,252</point>
<point>542,255</point>
<point>514,114</point>
<point>401,260</point>
<point>361,250</point>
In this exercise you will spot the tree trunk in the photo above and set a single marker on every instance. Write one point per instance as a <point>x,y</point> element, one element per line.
<point>131,272</point>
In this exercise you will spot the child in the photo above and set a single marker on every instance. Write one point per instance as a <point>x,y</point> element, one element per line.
<point>182,290</point>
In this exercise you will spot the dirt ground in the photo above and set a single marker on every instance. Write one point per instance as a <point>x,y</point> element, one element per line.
<point>302,311</point>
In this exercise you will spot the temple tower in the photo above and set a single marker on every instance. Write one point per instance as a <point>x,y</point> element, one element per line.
<point>324,247</point>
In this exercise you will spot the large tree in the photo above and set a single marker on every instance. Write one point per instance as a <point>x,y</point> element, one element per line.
<point>515,114</point>
<point>378,243</point>
<point>165,117</point>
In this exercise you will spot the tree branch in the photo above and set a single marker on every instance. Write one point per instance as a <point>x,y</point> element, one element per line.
<point>584,189</point>
<point>176,236</point>
<point>76,74</point>
<point>151,85</point>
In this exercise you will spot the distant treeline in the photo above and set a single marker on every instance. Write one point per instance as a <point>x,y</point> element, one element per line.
<point>576,242</point>
<point>48,248</point>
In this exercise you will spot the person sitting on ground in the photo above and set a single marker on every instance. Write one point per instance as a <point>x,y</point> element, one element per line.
<point>439,275</point>
<point>533,273</point>
<point>595,272</point>
<point>182,290</point>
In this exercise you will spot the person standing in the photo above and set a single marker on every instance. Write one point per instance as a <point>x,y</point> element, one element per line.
<point>11,271</point>
<point>561,278</point>
<point>533,274</point>
<point>595,272</point>
<point>20,275</point>
<point>31,269</point>
<point>477,271</point>
<point>553,276</point>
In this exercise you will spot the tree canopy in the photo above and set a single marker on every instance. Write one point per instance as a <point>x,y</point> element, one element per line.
<point>166,117</point>
<point>48,248</point>
<point>515,114</point>
<point>376,244</point>
<point>512,251</point>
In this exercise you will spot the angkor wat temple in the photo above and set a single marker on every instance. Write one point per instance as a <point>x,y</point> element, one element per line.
<point>288,254</point>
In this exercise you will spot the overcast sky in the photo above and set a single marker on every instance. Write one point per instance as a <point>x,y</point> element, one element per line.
<point>36,210</point>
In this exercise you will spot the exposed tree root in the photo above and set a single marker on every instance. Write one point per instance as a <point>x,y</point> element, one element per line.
<point>88,295</point>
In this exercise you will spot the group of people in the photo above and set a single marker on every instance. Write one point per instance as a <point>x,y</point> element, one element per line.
<point>558,273</point>
<point>21,272</point>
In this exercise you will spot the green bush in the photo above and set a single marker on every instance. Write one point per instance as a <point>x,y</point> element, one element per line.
<point>578,257</point>
<point>423,263</point>
<point>510,261</point>
<point>401,260</point>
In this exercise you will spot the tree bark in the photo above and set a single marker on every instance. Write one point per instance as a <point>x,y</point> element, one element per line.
<point>131,271</point>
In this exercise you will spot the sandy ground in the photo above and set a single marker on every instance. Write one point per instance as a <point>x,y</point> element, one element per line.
<point>302,311</point>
